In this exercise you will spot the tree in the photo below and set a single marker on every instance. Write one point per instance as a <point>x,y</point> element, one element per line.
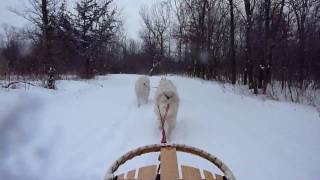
<point>12,50</point>
<point>249,8</point>
<point>302,10</point>
<point>274,24</point>
<point>95,26</point>
<point>157,23</point>
<point>179,27</point>
<point>41,14</point>
<point>64,40</point>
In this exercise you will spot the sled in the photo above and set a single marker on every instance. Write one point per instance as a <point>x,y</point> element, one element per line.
<point>168,168</point>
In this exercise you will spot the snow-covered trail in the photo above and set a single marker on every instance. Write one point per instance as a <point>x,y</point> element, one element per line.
<point>77,131</point>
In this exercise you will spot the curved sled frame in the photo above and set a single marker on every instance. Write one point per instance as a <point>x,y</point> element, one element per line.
<point>182,148</point>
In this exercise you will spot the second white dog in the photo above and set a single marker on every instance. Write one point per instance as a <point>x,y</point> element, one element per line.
<point>167,97</point>
<point>142,89</point>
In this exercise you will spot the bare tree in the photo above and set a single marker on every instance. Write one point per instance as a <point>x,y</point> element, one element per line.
<point>249,6</point>
<point>302,10</point>
<point>12,50</point>
<point>180,27</point>
<point>157,23</point>
<point>40,13</point>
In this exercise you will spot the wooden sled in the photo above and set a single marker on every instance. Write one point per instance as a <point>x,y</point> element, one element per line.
<point>168,168</point>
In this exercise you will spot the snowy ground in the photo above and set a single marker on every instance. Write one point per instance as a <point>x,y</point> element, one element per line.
<point>77,131</point>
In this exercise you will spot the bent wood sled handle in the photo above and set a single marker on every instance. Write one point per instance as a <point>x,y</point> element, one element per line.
<point>182,148</point>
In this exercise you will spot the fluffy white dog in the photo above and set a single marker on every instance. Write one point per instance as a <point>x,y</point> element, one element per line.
<point>167,95</point>
<point>142,89</point>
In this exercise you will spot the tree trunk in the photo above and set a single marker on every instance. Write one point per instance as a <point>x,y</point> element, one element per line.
<point>232,44</point>
<point>302,56</point>
<point>249,64</point>
<point>267,7</point>
<point>267,47</point>
<point>45,33</point>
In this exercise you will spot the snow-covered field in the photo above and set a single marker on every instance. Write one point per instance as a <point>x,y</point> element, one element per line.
<point>77,131</point>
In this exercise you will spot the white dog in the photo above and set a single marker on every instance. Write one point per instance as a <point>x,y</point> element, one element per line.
<point>142,89</point>
<point>167,97</point>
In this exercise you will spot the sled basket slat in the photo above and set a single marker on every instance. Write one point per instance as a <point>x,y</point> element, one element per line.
<point>218,177</point>
<point>120,177</point>
<point>169,164</point>
<point>131,174</point>
<point>208,175</point>
<point>148,172</point>
<point>190,173</point>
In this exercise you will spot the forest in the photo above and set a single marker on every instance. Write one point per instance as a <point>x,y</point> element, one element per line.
<point>249,42</point>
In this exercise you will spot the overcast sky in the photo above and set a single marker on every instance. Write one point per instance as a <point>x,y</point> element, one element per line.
<point>130,13</point>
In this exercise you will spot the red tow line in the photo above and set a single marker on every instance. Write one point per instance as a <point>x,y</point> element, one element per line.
<point>163,119</point>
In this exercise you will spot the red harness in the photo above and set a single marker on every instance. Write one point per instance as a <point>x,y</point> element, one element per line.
<point>163,119</point>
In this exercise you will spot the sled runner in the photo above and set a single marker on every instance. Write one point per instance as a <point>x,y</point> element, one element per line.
<point>168,169</point>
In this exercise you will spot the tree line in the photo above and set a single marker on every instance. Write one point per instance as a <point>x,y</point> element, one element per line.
<point>79,41</point>
<point>249,41</point>
<point>254,41</point>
